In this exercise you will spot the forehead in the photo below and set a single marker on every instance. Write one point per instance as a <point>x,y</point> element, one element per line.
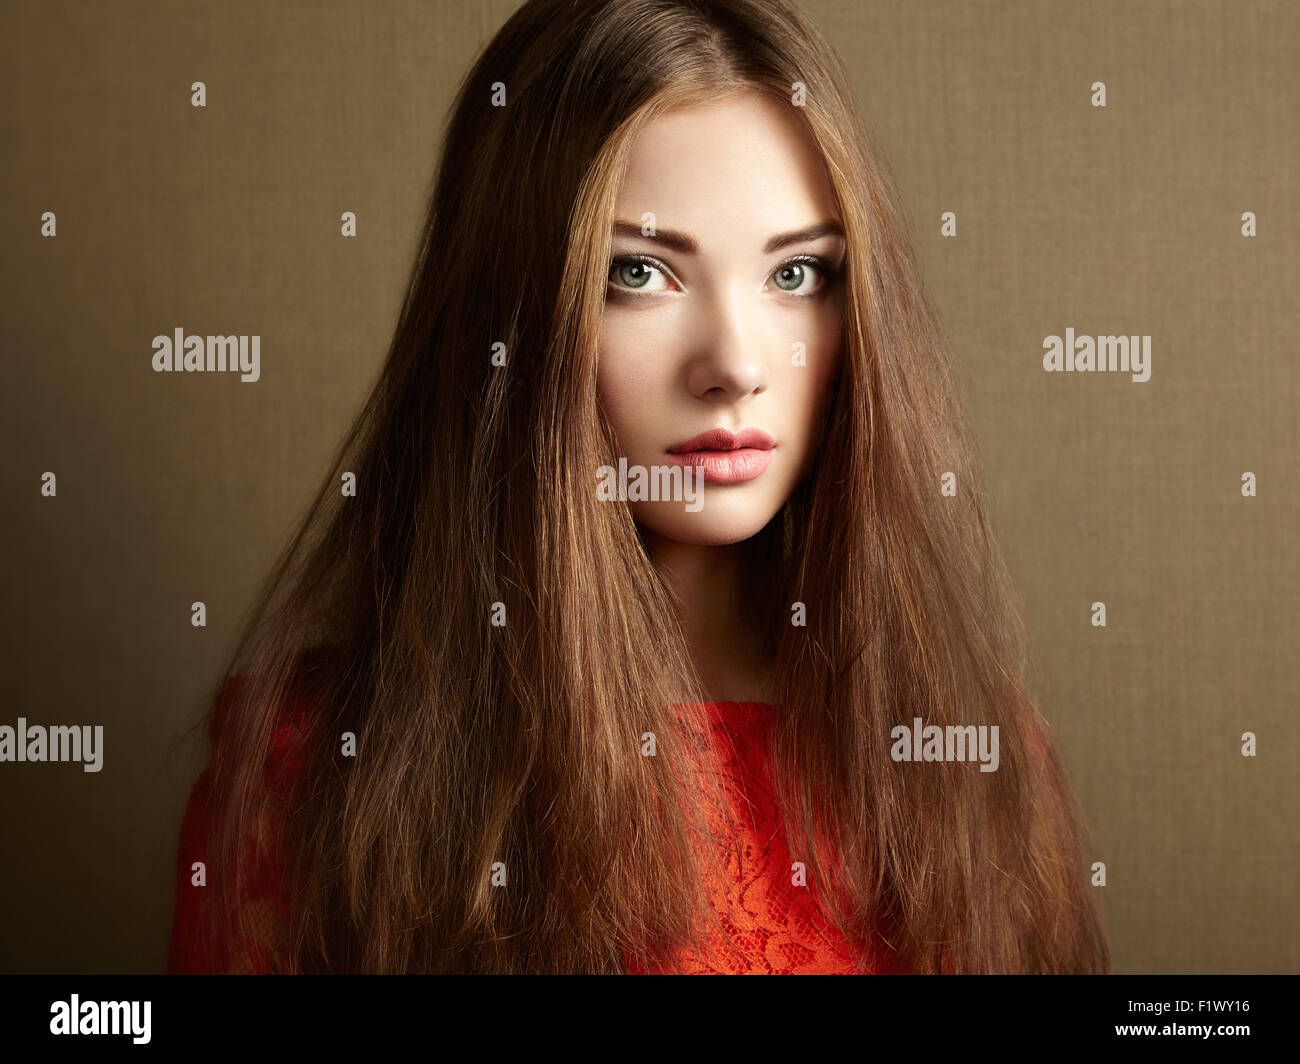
<point>743,163</point>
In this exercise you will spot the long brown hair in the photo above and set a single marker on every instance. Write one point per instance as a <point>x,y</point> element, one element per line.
<point>521,743</point>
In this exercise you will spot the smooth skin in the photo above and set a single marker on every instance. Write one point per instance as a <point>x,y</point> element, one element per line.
<point>705,338</point>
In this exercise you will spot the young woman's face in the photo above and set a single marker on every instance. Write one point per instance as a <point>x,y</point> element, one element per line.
<point>726,316</point>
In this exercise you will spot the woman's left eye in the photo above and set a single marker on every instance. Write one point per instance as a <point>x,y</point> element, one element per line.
<point>801,277</point>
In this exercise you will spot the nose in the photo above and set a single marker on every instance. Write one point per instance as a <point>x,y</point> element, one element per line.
<point>729,364</point>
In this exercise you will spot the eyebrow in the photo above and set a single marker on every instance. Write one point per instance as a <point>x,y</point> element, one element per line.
<point>687,245</point>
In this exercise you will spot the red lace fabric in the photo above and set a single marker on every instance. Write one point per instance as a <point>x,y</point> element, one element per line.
<point>776,927</point>
<point>195,949</point>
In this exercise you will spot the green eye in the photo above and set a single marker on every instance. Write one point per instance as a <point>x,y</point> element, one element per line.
<point>627,272</point>
<point>634,274</point>
<point>641,273</point>
<point>791,276</point>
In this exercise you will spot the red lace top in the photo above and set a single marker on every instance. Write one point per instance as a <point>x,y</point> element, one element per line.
<point>194,950</point>
<point>776,927</point>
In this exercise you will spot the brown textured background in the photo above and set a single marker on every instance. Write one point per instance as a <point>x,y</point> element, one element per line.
<point>181,487</point>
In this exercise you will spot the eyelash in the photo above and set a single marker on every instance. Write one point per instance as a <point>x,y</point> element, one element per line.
<point>820,264</point>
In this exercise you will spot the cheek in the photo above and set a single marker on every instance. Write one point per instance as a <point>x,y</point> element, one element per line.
<point>807,390</point>
<point>624,350</point>
<point>830,350</point>
<point>627,381</point>
<point>808,386</point>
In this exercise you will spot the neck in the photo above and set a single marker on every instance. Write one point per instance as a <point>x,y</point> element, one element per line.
<point>722,638</point>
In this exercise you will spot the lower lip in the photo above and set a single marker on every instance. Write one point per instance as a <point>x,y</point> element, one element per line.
<point>726,467</point>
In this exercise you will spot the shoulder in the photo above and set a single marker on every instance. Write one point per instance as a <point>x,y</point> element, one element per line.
<point>1043,757</point>
<point>297,710</point>
<point>195,947</point>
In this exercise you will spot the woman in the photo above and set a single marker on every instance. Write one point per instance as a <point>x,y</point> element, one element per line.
<point>500,711</point>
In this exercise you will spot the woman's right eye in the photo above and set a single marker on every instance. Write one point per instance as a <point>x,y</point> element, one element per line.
<point>636,274</point>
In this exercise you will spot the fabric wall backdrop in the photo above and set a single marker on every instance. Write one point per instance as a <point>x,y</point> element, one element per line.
<point>1124,219</point>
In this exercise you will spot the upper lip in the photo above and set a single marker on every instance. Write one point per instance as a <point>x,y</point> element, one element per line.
<point>725,440</point>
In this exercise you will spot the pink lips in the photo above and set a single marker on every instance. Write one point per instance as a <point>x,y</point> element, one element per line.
<point>726,457</point>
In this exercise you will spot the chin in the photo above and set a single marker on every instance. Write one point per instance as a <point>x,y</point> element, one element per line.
<point>714,526</point>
